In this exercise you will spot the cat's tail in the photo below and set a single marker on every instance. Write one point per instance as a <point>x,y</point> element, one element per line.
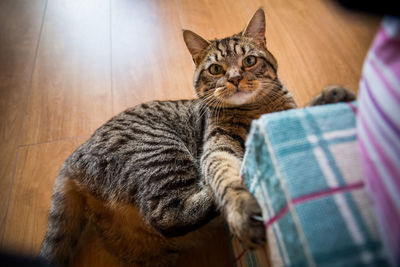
<point>66,222</point>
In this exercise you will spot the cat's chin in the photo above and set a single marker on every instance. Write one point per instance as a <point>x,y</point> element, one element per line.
<point>239,98</point>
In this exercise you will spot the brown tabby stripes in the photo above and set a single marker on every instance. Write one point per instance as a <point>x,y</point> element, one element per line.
<point>149,179</point>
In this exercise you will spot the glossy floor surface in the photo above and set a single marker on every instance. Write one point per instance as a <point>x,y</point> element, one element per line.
<point>68,66</point>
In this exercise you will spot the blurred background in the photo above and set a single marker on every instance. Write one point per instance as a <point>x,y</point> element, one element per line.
<point>67,66</point>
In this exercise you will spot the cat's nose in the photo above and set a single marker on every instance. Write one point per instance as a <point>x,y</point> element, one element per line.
<point>235,79</point>
<point>234,76</point>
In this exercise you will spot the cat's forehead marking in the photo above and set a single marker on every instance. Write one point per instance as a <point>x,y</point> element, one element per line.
<point>232,45</point>
<point>227,49</point>
<point>230,51</point>
<point>221,49</point>
<point>238,49</point>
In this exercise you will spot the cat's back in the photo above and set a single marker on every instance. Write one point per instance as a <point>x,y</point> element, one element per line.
<point>137,143</point>
<point>152,120</point>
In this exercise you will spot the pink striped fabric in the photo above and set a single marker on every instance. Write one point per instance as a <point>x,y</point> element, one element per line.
<point>378,130</point>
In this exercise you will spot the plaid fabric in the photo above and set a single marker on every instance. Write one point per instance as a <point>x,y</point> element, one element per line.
<point>303,167</point>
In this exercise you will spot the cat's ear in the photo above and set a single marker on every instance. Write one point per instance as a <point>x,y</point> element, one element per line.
<point>196,45</point>
<point>255,29</point>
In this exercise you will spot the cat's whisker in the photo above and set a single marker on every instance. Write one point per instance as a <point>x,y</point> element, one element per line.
<point>218,89</point>
<point>271,83</point>
<point>209,101</point>
<point>219,105</point>
<point>212,103</point>
<point>205,102</point>
<point>215,109</point>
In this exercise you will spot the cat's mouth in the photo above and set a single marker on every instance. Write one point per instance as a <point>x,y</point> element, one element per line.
<point>238,97</point>
<point>240,93</point>
<point>234,96</point>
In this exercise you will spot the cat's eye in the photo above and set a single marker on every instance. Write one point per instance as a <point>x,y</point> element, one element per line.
<point>215,69</point>
<point>249,61</point>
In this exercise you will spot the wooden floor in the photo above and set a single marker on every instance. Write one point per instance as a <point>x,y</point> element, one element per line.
<point>68,66</point>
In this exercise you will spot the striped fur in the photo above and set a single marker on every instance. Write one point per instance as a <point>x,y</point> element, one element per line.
<point>152,177</point>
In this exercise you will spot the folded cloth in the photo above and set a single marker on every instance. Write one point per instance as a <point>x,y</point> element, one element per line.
<point>303,168</point>
<point>378,131</point>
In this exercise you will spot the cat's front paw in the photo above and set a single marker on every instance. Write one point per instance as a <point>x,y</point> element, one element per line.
<point>333,94</point>
<point>244,218</point>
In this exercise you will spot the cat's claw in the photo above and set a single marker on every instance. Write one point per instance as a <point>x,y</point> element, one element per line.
<point>257,218</point>
<point>246,222</point>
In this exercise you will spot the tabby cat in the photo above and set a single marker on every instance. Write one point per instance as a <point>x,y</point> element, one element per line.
<point>173,164</point>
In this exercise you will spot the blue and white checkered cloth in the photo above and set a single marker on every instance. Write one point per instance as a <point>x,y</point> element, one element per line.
<point>303,167</point>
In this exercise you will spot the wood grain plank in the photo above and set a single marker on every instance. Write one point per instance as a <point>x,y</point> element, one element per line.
<point>36,171</point>
<point>150,59</point>
<point>213,19</point>
<point>316,43</point>
<point>20,22</point>
<point>71,93</point>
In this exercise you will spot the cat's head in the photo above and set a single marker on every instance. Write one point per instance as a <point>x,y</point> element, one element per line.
<point>236,70</point>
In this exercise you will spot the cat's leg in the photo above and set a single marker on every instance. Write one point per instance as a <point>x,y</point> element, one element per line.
<point>175,214</point>
<point>127,237</point>
<point>180,212</point>
<point>333,94</point>
<point>221,166</point>
<point>66,222</point>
